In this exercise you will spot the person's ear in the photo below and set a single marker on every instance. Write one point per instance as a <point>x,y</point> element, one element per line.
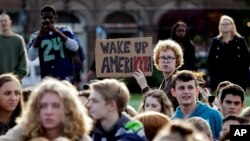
<point>112,104</point>
<point>173,92</point>
<point>198,90</point>
<point>220,102</point>
<point>242,105</point>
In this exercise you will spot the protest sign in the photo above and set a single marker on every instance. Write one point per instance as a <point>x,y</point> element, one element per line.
<point>121,57</point>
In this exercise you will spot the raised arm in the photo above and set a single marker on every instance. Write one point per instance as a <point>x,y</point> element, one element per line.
<point>141,80</point>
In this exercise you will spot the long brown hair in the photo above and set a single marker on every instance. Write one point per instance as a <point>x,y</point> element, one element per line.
<point>7,77</point>
<point>166,105</point>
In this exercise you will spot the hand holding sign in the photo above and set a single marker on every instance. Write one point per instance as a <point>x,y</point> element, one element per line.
<point>140,78</point>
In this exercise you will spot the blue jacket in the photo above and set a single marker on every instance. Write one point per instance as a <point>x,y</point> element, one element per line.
<point>212,116</point>
<point>124,130</point>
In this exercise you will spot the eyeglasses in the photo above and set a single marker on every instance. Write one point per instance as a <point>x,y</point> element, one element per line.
<point>168,58</point>
<point>180,30</point>
<point>225,24</point>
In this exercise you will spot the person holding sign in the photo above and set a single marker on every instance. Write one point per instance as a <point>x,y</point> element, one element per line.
<point>168,57</point>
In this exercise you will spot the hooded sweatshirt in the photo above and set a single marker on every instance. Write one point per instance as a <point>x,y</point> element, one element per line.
<point>212,116</point>
<point>124,130</point>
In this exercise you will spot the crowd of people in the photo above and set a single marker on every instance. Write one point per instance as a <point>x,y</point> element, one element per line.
<point>183,108</point>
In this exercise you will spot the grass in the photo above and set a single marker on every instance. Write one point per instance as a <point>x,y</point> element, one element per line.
<point>247,100</point>
<point>135,100</point>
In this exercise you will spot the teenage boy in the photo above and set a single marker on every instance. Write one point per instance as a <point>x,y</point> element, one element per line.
<point>185,90</point>
<point>106,103</point>
<point>232,100</point>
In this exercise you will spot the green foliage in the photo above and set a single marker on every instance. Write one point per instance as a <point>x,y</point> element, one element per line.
<point>247,100</point>
<point>135,101</point>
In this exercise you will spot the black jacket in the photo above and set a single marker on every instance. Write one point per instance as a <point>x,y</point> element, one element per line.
<point>228,61</point>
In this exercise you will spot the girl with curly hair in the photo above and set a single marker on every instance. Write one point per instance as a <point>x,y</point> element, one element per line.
<point>53,110</point>
<point>168,58</point>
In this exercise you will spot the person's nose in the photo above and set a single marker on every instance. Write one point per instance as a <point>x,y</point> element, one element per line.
<point>232,106</point>
<point>150,108</point>
<point>186,90</point>
<point>166,60</point>
<point>48,110</point>
<point>13,97</point>
<point>88,104</point>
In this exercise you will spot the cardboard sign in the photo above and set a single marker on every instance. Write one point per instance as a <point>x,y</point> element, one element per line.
<point>121,57</point>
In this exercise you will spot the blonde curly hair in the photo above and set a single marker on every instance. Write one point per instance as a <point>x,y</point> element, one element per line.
<point>76,121</point>
<point>164,45</point>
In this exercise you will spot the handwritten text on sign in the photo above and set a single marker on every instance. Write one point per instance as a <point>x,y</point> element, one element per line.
<point>121,57</point>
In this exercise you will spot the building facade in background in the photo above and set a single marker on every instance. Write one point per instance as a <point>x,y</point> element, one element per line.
<point>92,19</point>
